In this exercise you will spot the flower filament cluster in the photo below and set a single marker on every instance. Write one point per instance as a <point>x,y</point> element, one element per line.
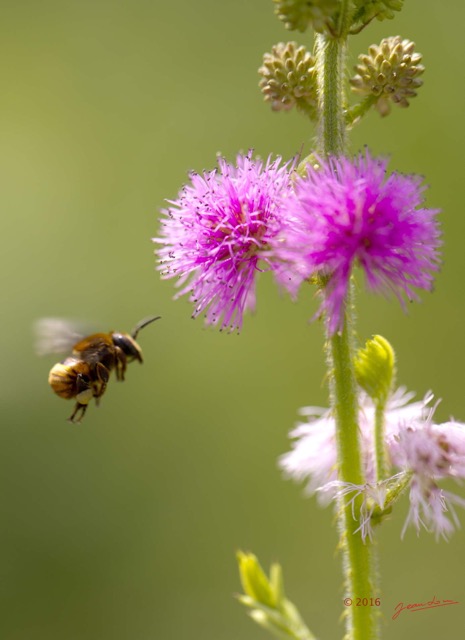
<point>341,214</point>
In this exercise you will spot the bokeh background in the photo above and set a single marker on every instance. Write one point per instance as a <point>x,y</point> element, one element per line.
<point>126,527</point>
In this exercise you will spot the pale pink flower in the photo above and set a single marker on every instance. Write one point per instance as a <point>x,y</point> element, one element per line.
<point>421,452</point>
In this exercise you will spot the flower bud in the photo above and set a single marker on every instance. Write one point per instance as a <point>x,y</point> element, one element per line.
<point>299,14</point>
<point>254,581</point>
<point>366,10</point>
<point>288,78</point>
<point>389,73</point>
<point>265,599</point>
<point>375,367</point>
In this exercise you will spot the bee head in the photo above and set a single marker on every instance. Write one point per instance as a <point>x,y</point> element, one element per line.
<point>127,342</point>
<point>128,346</point>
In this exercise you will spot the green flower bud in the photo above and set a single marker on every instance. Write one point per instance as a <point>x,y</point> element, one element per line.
<point>312,160</point>
<point>289,78</point>
<point>393,491</point>
<point>366,10</point>
<point>266,601</point>
<point>299,14</point>
<point>375,368</point>
<point>254,581</point>
<point>389,73</point>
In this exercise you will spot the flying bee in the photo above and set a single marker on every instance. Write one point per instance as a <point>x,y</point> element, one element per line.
<point>85,373</point>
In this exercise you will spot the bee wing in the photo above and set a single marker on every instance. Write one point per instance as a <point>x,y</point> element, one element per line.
<point>57,335</point>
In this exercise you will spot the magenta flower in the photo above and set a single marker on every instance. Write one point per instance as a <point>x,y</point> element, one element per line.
<point>348,212</point>
<point>215,236</point>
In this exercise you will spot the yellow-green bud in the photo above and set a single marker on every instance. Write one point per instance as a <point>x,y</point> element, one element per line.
<point>299,14</point>
<point>375,368</point>
<point>265,599</point>
<point>254,580</point>
<point>288,78</point>
<point>389,73</point>
<point>310,160</point>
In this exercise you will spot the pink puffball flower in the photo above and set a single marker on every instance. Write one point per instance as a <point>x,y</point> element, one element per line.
<point>350,212</point>
<point>215,236</point>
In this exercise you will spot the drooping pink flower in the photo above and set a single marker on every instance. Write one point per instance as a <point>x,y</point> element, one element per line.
<point>431,452</point>
<point>422,454</point>
<point>215,236</point>
<point>313,456</point>
<point>350,212</point>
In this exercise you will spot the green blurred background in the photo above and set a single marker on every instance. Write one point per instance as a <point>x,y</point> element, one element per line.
<point>126,527</point>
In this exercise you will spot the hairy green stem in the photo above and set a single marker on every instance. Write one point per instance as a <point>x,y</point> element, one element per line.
<point>355,113</point>
<point>330,63</point>
<point>382,467</point>
<point>358,555</point>
<point>358,560</point>
<point>344,402</point>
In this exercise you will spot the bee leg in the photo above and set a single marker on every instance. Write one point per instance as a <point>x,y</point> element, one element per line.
<point>121,363</point>
<point>83,397</point>
<point>103,375</point>
<point>74,416</point>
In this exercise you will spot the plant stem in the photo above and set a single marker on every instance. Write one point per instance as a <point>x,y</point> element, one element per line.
<point>330,62</point>
<point>358,111</point>
<point>344,403</point>
<point>358,558</point>
<point>380,445</point>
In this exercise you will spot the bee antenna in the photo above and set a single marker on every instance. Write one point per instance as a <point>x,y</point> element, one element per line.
<point>143,323</point>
